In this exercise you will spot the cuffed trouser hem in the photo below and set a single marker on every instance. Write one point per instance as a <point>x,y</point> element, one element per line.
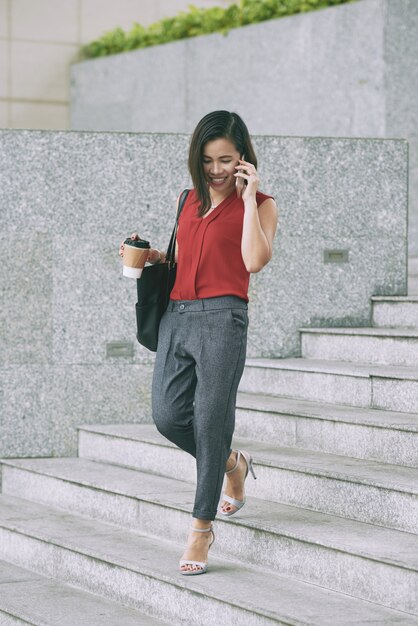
<point>209,515</point>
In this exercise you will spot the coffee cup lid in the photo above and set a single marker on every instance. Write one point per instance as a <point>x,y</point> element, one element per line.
<point>137,243</point>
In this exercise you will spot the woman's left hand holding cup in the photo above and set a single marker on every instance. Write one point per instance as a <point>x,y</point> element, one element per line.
<point>154,255</point>
<point>135,253</point>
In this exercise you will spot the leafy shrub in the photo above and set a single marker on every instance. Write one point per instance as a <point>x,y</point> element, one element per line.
<point>197,21</point>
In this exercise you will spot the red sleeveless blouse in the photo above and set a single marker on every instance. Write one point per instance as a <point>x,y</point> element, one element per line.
<point>209,260</point>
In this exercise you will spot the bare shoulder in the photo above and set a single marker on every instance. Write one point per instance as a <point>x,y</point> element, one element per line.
<point>269,205</point>
<point>268,213</point>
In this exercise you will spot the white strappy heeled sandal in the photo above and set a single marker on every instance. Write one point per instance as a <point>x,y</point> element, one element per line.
<point>239,503</point>
<point>203,566</point>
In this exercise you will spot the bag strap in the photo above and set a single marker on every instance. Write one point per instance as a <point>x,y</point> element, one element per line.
<point>171,252</point>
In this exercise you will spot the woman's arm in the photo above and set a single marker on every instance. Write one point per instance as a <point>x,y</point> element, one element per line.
<point>259,229</point>
<point>260,223</point>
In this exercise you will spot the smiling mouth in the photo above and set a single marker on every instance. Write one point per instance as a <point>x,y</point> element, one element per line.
<point>218,180</point>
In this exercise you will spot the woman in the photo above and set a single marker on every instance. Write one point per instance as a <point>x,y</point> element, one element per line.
<point>225,233</point>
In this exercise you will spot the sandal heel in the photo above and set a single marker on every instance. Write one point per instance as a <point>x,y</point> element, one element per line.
<point>238,504</point>
<point>252,468</point>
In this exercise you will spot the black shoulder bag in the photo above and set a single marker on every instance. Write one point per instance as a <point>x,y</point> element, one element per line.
<point>154,287</point>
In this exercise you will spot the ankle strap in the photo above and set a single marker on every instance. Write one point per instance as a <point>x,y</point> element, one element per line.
<point>202,530</point>
<point>236,463</point>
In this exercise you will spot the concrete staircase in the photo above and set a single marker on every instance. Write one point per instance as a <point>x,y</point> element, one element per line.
<point>329,533</point>
<point>413,275</point>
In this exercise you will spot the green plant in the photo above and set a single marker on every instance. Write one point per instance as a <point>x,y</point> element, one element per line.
<point>197,21</point>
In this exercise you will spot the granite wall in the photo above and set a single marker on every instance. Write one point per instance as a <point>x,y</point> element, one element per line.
<point>68,198</point>
<point>344,71</point>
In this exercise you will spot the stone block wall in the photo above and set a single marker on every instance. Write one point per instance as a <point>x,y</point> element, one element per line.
<point>68,198</point>
<point>344,71</point>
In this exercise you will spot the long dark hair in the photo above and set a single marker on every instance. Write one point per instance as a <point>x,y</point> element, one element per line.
<point>216,125</point>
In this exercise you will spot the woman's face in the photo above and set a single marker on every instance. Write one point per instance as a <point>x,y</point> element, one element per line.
<point>220,157</point>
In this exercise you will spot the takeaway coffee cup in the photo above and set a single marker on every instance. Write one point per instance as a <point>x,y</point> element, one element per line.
<point>135,254</point>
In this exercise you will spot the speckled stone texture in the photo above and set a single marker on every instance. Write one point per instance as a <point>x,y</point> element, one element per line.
<point>396,313</point>
<point>296,542</point>
<point>68,199</point>
<point>344,71</point>
<point>401,73</point>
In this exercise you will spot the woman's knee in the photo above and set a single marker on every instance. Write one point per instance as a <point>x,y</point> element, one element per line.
<point>163,417</point>
<point>178,432</point>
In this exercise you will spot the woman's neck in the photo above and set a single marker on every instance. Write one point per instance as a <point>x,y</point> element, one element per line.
<point>217,198</point>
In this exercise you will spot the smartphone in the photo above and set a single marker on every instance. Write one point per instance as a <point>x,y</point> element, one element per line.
<point>240,183</point>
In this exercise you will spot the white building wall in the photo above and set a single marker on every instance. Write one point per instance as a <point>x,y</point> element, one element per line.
<point>39,39</point>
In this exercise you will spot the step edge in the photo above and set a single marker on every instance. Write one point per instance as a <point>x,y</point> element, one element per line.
<point>78,593</point>
<point>374,331</point>
<point>248,524</point>
<point>400,299</point>
<point>309,413</point>
<point>169,578</point>
<point>23,620</point>
<point>336,367</point>
<point>295,466</point>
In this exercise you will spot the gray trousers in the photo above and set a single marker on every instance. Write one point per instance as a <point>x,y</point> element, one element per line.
<point>199,363</point>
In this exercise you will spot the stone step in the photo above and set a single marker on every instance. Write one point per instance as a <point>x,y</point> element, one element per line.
<point>395,311</point>
<point>318,481</point>
<point>141,572</point>
<point>381,345</point>
<point>413,265</point>
<point>413,285</point>
<point>363,433</point>
<point>307,545</point>
<point>355,384</point>
<point>29,598</point>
